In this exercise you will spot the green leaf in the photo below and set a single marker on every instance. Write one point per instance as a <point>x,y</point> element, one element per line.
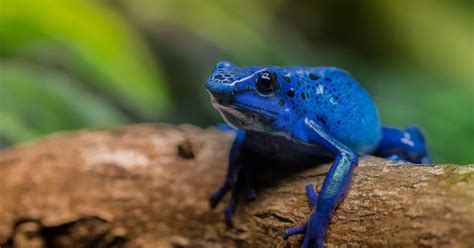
<point>12,129</point>
<point>35,101</point>
<point>89,41</point>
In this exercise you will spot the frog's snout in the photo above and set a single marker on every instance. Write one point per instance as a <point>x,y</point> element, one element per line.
<point>217,85</point>
<point>221,81</point>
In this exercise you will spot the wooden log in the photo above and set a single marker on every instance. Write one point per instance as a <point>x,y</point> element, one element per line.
<point>148,185</point>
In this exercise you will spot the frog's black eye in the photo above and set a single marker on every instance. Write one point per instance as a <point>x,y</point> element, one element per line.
<point>267,84</point>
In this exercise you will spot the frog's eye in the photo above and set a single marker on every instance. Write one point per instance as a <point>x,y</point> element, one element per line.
<point>266,84</point>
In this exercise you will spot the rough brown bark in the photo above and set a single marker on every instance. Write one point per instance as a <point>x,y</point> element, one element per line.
<point>148,185</point>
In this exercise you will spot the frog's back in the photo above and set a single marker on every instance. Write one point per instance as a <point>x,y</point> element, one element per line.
<point>335,99</point>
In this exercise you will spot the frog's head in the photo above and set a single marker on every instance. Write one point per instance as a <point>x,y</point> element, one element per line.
<point>251,98</point>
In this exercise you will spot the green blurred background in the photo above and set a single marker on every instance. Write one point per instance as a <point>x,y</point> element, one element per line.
<point>70,64</point>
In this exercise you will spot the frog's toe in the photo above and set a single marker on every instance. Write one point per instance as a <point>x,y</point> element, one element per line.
<point>230,209</point>
<point>309,237</point>
<point>229,214</point>
<point>294,230</point>
<point>312,195</point>
<point>217,196</point>
<point>214,200</point>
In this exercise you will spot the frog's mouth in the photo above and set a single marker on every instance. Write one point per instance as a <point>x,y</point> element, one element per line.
<point>225,101</point>
<point>235,117</point>
<point>245,116</point>
<point>221,100</point>
<point>264,113</point>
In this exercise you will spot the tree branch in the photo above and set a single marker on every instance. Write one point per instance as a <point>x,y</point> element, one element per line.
<point>149,185</point>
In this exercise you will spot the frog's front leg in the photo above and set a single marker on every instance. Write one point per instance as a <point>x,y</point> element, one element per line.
<point>234,179</point>
<point>335,184</point>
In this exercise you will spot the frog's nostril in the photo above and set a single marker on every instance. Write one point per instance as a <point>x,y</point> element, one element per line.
<point>218,77</point>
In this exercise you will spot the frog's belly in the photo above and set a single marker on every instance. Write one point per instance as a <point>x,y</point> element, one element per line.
<point>284,150</point>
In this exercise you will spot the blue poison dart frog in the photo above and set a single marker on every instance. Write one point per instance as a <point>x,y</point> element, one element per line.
<point>297,115</point>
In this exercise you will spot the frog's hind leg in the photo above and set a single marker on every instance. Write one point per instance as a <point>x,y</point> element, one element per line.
<point>403,145</point>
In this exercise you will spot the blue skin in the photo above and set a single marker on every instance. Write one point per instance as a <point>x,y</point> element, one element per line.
<point>296,115</point>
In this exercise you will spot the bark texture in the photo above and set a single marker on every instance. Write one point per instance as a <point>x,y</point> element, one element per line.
<point>148,185</point>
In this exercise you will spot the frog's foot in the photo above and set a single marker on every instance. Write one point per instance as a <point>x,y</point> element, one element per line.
<point>244,176</point>
<point>311,224</point>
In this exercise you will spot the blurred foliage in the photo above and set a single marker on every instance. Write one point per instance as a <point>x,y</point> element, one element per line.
<point>73,64</point>
<point>62,103</point>
<point>90,42</point>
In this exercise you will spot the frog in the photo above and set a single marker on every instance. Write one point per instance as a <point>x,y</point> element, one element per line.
<point>299,115</point>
